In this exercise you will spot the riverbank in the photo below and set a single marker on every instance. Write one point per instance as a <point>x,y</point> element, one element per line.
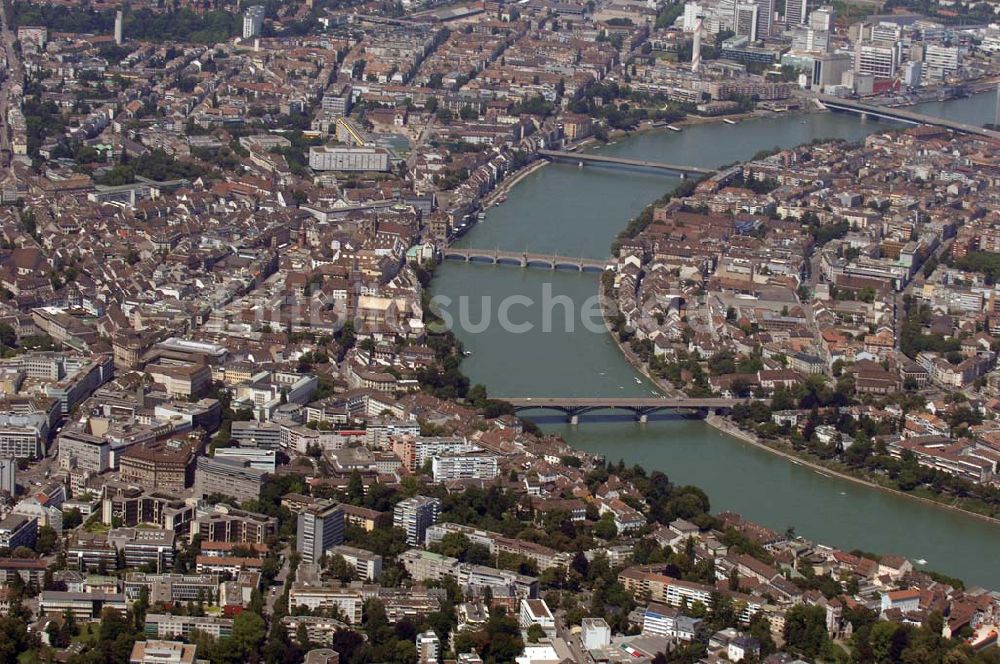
<point>729,428</point>
<point>980,510</point>
<point>509,183</point>
<point>688,121</point>
<point>634,361</point>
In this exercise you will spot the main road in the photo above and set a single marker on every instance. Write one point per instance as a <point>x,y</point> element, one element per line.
<point>14,74</point>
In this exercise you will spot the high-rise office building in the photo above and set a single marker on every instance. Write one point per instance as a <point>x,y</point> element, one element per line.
<point>879,61</point>
<point>414,515</point>
<point>745,20</point>
<point>320,527</point>
<point>886,33</point>
<point>765,17</point>
<point>692,12</point>
<point>941,61</point>
<point>253,21</point>
<point>822,18</point>
<point>796,12</point>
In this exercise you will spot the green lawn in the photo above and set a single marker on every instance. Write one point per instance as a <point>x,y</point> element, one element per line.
<point>96,527</point>
<point>88,633</point>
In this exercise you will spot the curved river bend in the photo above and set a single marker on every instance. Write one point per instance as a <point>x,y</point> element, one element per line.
<point>577,212</point>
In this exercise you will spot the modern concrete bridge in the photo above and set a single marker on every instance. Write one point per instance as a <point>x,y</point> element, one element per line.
<point>903,115</point>
<point>525,259</point>
<point>588,157</point>
<point>642,408</point>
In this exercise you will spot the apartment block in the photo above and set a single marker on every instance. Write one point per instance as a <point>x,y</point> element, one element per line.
<point>414,515</point>
<point>320,527</point>
<point>235,479</point>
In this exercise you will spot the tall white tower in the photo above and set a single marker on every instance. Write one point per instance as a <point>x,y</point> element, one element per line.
<point>696,47</point>
<point>119,27</point>
<point>996,120</point>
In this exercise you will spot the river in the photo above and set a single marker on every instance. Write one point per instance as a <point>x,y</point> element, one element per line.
<point>577,212</point>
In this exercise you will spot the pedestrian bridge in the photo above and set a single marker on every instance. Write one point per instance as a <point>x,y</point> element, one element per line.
<point>642,408</point>
<point>591,158</point>
<point>525,259</point>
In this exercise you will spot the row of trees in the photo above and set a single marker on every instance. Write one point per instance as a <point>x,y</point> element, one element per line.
<point>184,25</point>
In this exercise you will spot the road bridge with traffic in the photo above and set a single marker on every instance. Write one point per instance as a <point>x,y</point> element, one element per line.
<point>904,115</point>
<point>607,160</point>
<point>525,259</point>
<point>642,408</point>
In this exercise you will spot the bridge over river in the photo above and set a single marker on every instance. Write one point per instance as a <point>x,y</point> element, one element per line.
<point>525,259</point>
<point>591,158</point>
<point>642,408</point>
<point>903,115</point>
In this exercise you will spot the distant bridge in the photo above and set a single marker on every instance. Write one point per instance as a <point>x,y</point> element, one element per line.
<point>524,259</point>
<point>903,115</point>
<point>587,157</point>
<point>642,408</point>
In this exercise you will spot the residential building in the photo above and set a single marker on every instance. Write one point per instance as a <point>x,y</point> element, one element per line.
<point>367,566</point>
<point>482,466</point>
<point>324,158</point>
<point>428,647</point>
<point>31,570</point>
<point>536,612</point>
<point>320,629</point>
<point>18,530</point>
<point>152,547</point>
<point>414,515</point>
<point>83,606</point>
<point>228,524</point>
<point>166,626</point>
<point>348,600</point>
<point>253,21</point>
<point>320,527</point>
<point>232,478</point>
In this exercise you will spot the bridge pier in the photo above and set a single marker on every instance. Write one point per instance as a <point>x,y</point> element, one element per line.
<point>643,418</point>
<point>574,420</point>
